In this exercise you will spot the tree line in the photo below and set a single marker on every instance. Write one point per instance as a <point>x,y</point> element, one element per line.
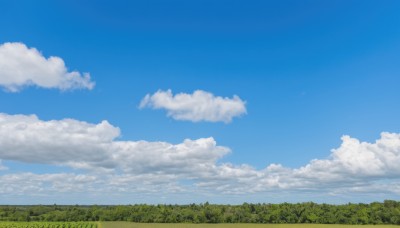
<point>387,212</point>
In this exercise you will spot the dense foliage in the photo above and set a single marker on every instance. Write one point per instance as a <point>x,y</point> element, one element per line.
<point>48,225</point>
<point>387,212</point>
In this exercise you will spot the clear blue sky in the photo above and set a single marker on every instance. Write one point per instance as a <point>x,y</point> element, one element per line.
<point>309,72</point>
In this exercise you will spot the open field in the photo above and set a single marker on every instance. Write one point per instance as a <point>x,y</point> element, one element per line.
<point>48,225</point>
<point>180,225</point>
<point>173,225</point>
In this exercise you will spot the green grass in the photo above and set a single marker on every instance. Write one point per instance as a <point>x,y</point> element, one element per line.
<point>180,225</point>
<point>48,225</point>
<point>173,225</point>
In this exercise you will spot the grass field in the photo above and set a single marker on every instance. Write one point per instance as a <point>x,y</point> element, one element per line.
<point>157,225</point>
<point>173,225</point>
<point>48,225</point>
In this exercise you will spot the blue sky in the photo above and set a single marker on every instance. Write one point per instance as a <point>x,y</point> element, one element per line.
<point>306,73</point>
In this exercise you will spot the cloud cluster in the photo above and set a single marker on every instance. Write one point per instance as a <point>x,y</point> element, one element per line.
<point>141,166</point>
<point>199,106</point>
<point>357,160</point>
<point>354,165</point>
<point>83,145</point>
<point>21,66</point>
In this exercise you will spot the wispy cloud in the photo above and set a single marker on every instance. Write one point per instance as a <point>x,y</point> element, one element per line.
<point>21,66</point>
<point>195,107</point>
<point>37,184</point>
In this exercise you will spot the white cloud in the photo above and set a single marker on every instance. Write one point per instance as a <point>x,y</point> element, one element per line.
<point>91,146</point>
<point>199,106</point>
<point>357,160</point>
<point>37,184</point>
<point>21,66</point>
<point>55,142</point>
<point>193,166</point>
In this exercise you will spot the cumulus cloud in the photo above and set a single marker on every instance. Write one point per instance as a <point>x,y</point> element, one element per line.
<point>83,145</point>
<point>354,165</point>
<point>199,106</point>
<point>192,166</point>
<point>21,66</point>
<point>358,160</point>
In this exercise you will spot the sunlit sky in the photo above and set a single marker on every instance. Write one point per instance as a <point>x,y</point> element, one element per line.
<point>123,102</point>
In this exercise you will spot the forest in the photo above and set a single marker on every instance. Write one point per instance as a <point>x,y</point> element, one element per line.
<point>387,212</point>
